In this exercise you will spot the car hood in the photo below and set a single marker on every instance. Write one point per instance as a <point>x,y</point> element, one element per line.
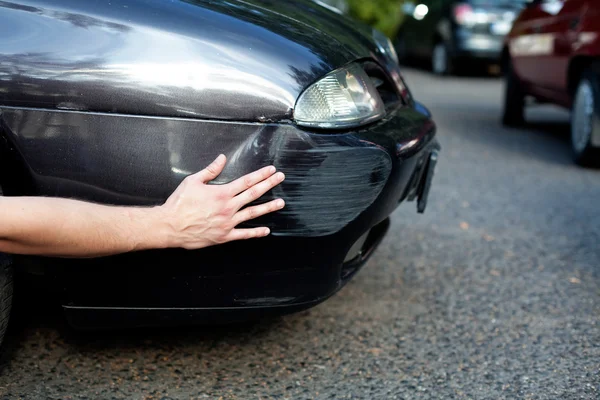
<point>330,28</point>
<point>244,60</point>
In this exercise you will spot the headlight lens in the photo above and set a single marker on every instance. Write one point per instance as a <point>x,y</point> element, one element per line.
<point>385,46</point>
<point>343,98</point>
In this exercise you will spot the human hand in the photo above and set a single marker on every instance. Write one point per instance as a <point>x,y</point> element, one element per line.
<point>201,215</point>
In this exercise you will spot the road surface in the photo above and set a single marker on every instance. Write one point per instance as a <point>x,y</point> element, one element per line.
<point>493,293</point>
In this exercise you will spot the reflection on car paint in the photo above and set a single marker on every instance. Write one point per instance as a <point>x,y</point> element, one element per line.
<point>330,179</point>
<point>125,56</point>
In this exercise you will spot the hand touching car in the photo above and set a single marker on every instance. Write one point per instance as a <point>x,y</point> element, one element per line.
<point>195,215</point>
<point>201,215</point>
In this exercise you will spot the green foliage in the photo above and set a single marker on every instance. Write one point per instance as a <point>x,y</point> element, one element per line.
<point>385,15</point>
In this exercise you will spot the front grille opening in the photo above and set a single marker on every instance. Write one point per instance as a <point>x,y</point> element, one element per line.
<point>363,248</point>
<point>383,83</point>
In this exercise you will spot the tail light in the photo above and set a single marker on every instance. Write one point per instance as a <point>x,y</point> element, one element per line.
<point>463,14</point>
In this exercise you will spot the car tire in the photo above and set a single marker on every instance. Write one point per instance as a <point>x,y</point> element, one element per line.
<point>514,99</point>
<point>441,61</point>
<point>585,119</point>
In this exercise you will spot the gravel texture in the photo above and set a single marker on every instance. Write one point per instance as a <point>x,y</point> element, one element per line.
<point>493,293</point>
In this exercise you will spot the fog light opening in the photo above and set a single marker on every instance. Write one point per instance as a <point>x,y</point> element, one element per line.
<point>362,249</point>
<point>357,248</point>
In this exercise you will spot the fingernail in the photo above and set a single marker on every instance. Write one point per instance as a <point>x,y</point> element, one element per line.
<point>267,231</point>
<point>271,169</point>
<point>280,203</point>
<point>280,176</point>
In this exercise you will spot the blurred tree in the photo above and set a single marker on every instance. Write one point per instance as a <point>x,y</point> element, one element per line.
<point>385,15</point>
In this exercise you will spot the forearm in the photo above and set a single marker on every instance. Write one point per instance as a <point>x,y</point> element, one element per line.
<point>70,228</point>
<point>195,215</point>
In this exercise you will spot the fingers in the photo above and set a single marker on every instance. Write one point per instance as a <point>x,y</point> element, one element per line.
<point>257,211</point>
<point>241,234</point>
<point>213,170</point>
<point>258,190</point>
<point>247,181</point>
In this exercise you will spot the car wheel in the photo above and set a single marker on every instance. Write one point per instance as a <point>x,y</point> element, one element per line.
<point>585,120</point>
<point>441,62</point>
<point>514,99</point>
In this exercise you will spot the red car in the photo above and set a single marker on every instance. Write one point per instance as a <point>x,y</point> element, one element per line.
<point>552,54</point>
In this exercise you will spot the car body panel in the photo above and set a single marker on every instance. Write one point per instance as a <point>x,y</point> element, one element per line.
<point>200,59</point>
<point>118,101</point>
<point>75,154</point>
<point>296,265</point>
<point>553,34</point>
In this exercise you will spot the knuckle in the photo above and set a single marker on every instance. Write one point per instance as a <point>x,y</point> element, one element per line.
<point>274,180</point>
<point>229,226</point>
<point>253,193</point>
<point>212,168</point>
<point>251,212</point>
<point>222,195</point>
<point>248,181</point>
<point>226,211</point>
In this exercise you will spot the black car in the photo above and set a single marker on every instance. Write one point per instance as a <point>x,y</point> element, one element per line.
<point>117,101</point>
<point>448,34</point>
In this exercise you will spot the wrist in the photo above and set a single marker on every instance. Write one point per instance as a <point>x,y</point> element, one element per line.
<point>156,231</point>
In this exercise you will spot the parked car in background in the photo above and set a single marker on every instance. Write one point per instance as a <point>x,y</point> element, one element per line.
<point>552,55</point>
<point>448,34</point>
<point>117,101</point>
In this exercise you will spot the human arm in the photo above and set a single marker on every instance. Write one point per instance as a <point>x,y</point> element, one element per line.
<point>196,215</point>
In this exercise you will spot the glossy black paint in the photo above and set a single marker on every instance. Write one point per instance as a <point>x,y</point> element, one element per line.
<point>292,269</point>
<point>118,101</point>
<point>232,60</point>
<point>90,153</point>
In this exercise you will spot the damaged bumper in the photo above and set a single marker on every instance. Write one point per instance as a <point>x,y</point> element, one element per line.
<point>339,190</point>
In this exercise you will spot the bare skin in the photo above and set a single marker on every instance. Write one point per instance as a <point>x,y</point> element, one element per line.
<point>196,215</point>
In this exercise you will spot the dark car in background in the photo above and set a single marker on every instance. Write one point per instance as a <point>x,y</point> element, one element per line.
<point>552,55</point>
<point>117,101</point>
<point>449,34</point>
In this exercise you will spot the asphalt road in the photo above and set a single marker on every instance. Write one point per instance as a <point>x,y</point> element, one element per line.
<point>493,293</point>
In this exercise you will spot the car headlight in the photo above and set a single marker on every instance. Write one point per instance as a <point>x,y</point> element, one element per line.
<point>385,46</point>
<point>343,98</point>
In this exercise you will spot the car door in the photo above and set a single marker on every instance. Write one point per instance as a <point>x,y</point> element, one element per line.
<point>542,51</point>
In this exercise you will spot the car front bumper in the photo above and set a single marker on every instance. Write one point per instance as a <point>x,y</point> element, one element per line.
<point>340,189</point>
